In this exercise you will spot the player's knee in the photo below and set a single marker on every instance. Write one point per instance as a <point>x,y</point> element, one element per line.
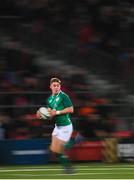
<point>53,149</point>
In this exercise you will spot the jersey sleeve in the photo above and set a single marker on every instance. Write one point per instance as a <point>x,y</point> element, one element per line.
<point>67,101</point>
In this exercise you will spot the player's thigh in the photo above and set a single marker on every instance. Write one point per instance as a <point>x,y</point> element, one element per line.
<point>57,145</point>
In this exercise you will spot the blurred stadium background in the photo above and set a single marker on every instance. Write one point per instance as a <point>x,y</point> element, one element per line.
<point>89,44</point>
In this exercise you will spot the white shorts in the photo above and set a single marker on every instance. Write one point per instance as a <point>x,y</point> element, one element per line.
<point>63,132</point>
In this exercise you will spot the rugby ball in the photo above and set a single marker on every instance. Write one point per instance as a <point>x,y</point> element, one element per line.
<point>44,113</point>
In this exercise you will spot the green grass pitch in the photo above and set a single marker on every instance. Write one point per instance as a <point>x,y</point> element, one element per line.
<point>55,171</point>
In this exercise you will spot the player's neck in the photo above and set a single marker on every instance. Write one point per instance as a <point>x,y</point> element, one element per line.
<point>56,94</point>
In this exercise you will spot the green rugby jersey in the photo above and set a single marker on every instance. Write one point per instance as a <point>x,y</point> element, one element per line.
<point>59,102</point>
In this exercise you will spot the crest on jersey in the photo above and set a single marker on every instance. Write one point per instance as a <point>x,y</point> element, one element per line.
<point>57,99</point>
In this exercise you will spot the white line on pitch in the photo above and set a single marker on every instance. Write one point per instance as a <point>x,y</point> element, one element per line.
<point>55,169</point>
<point>63,174</point>
<point>78,166</point>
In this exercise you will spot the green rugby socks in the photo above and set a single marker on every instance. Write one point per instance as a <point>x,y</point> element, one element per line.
<point>69,144</point>
<point>63,159</point>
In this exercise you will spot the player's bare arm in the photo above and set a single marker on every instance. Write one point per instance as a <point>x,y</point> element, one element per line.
<point>67,110</point>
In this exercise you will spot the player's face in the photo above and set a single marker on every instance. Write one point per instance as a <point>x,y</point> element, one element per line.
<point>55,87</point>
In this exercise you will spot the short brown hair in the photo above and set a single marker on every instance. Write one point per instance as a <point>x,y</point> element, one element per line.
<point>55,79</point>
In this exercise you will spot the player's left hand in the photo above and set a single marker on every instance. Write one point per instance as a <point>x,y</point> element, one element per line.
<point>38,115</point>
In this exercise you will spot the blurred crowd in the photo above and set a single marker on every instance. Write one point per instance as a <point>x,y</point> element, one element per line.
<point>24,88</point>
<point>92,34</point>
